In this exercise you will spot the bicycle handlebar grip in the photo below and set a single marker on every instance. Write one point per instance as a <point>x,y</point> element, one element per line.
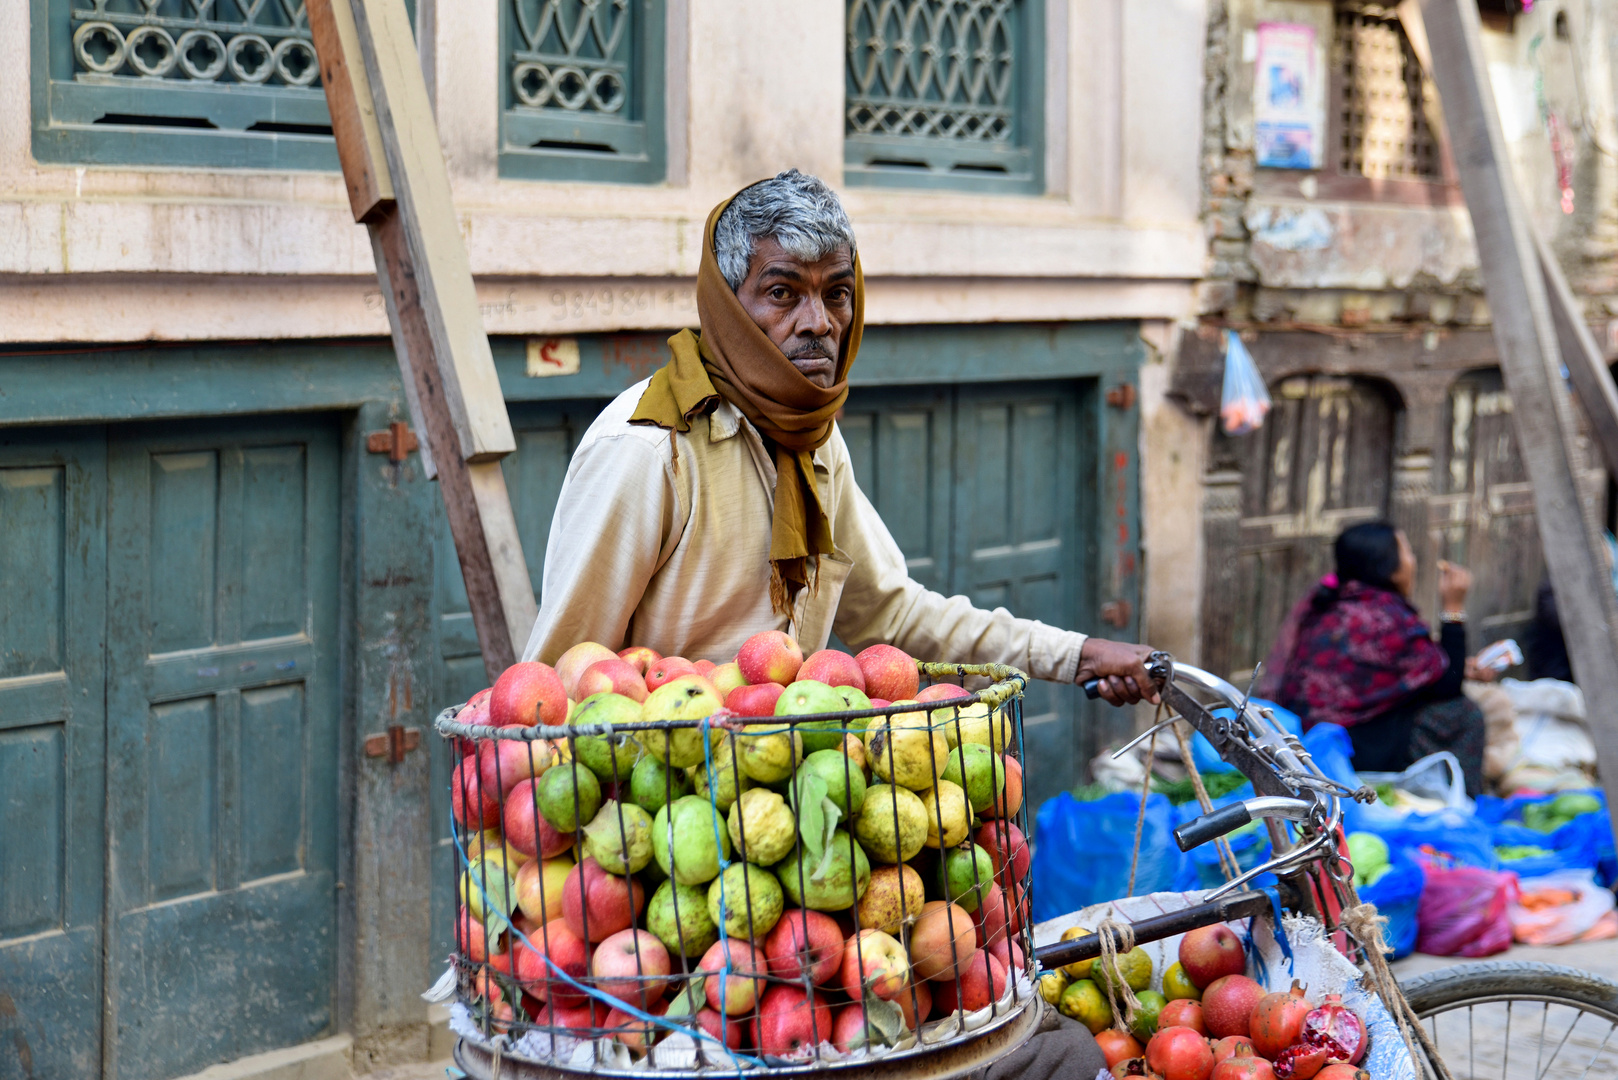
<point>1092,689</point>
<point>1211,826</point>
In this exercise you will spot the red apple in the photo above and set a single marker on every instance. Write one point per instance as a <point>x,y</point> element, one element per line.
<point>731,1033</point>
<point>568,953</point>
<point>667,670</point>
<point>611,677</point>
<point>880,703</point>
<point>632,966</point>
<point>942,692</point>
<point>571,664</point>
<point>833,668</point>
<point>634,1033</point>
<point>992,916</point>
<point>805,942</point>
<point>756,700</point>
<point>876,961</point>
<point>979,986</point>
<point>943,941</point>
<point>539,889</point>
<point>471,937</point>
<point>1009,952</point>
<point>889,673</point>
<point>528,694</point>
<point>726,677</point>
<point>1009,801</point>
<point>526,828</point>
<point>472,805</point>
<point>998,838</point>
<point>1209,953</point>
<point>705,668</point>
<point>769,657</point>
<point>578,1018</point>
<point>639,657</point>
<point>505,763</point>
<point>789,1024</point>
<point>606,902</point>
<point>739,991</point>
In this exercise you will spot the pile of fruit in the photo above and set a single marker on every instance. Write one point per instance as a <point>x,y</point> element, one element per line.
<point>1210,1021</point>
<point>770,882</point>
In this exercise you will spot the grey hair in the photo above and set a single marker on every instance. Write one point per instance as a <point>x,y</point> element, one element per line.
<point>798,211</point>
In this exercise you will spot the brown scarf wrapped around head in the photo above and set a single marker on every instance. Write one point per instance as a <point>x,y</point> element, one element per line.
<point>734,359</point>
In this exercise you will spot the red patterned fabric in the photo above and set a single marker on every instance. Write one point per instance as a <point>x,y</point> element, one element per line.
<point>1351,653</point>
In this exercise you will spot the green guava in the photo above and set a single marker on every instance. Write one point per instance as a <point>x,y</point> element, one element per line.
<point>749,899</point>
<point>568,795</point>
<point>653,785</point>
<point>762,828</point>
<point>845,781</point>
<point>891,823</point>
<point>906,750</point>
<point>967,874</point>
<point>688,698</point>
<point>689,840</point>
<point>722,779</point>
<point>677,915</point>
<point>807,697</point>
<point>613,758</point>
<point>619,837</point>
<point>974,767</point>
<point>769,752</point>
<point>833,881</point>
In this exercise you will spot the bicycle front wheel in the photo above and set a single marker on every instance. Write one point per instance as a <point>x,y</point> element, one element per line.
<point>1519,1020</point>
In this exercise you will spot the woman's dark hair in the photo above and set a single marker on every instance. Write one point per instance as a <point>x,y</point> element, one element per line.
<point>1368,553</point>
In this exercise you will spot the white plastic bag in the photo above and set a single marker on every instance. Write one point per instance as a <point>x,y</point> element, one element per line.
<point>1562,923</point>
<point>1245,400</point>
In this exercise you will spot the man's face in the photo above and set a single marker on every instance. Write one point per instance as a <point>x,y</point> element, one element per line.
<point>804,307</point>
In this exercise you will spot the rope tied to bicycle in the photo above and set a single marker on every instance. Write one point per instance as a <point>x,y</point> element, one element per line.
<point>1364,925</point>
<point>1117,937</point>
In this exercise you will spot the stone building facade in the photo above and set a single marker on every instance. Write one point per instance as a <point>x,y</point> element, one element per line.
<point>1345,263</point>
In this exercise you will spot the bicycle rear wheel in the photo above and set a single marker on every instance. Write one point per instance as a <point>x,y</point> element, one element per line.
<point>1519,1020</point>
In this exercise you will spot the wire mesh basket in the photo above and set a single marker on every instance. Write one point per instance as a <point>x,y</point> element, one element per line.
<point>696,894</point>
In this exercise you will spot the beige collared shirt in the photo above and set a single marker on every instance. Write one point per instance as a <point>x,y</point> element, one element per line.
<point>663,539</point>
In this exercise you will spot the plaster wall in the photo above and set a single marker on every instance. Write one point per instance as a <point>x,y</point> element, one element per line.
<point>751,89</point>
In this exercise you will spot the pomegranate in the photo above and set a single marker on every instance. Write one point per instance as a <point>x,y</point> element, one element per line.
<point>1227,1046</point>
<point>1227,1005</point>
<point>1243,1065</point>
<point>1301,1061</point>
<point>1337,1029</point>
<point>1209,953</point>
<point>1117,1046</point>
<point>1178,1053</point>
<point>1342,1070</point>
<point>1277,1020</point>
<point>1182,1012</point>
<point>1131,1067</point>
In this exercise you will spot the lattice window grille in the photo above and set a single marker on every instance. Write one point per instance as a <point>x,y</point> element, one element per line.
<point>572,56</point>
<point>1385,101</point>
<point>251,42</point>
<point>943,69</point>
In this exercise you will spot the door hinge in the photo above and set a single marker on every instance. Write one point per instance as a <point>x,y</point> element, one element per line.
<point>397,442</point>
<point>1116,613</point>
<point>393,743</point>
<point>1122,396</point>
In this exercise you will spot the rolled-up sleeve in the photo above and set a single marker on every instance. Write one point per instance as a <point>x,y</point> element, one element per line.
<point>616,521</point>
<point>882,603</point>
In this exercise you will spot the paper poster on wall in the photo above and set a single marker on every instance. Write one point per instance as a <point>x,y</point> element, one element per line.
<point>1289,106</point>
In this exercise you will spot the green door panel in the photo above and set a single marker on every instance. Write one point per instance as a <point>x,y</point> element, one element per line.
<point>53,580</point>
<point>1018,543</point>
<point>546,435</point>
<point>222,719</point>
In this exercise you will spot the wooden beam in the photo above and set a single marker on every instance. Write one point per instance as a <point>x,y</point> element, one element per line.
<point>1515,279</point>
<point>1586,367</point>
<point>399,187</point>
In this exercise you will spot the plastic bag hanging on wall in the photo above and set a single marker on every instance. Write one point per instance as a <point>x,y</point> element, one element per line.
<point>1245,399</point>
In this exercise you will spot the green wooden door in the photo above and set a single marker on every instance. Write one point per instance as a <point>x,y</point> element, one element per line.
<point>222,710</point>
<point>981,487</point>
<point>546,435</point>
<point>53,584</point>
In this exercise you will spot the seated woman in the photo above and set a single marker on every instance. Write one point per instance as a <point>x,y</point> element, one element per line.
<point>1355,652</point>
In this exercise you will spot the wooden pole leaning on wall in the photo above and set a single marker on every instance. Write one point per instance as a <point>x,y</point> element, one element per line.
<point>398,186</point>
<point>1525,332</point>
